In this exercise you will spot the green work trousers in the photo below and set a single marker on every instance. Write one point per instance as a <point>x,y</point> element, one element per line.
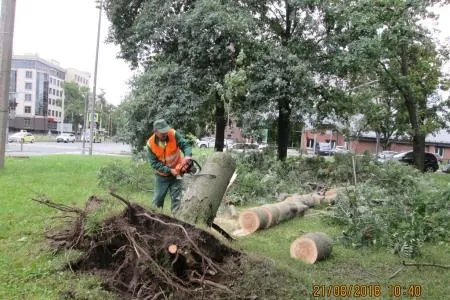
<point>164,184</point>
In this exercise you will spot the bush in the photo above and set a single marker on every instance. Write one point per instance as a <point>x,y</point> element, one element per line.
<point>135,175</point>
<point>397,208</point>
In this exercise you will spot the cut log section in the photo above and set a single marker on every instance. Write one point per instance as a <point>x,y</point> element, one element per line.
<point>274,214</point>
<point>253,219</point>
<point>308,200</point>
<point>317,199</point>
<point>288,210</point>
<point>311,247</point>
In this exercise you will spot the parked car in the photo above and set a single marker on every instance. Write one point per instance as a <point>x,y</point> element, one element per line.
<point>66,138</point>
<point>210,142</point>
<point>245,147</point>
<point>339,150</point>
<point>446,168</point>
<point>431,163</point>
<point>386,154</point>
<point>206,143</point>
<point>323,149</point>
<point>21,137</point>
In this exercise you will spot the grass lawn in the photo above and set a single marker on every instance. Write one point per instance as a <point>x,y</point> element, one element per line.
<point>28,270</point>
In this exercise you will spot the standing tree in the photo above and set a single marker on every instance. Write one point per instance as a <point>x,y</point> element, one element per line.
<point>387,40</point>
<point>74,103</point>
<point>183,48</point>
<point>280,80</point>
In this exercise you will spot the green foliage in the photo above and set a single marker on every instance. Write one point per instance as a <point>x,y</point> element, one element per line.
<point>191,139</point>
<point>135,175</point>
<point>261,178</point>
<point>396,207</point>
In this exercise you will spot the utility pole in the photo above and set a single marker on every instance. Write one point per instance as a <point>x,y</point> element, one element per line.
<point>8,10</point>
<point>99,6</point>
<point>85,123</point>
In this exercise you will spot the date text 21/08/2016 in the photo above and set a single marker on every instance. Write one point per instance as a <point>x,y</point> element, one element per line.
<point>365,290</point>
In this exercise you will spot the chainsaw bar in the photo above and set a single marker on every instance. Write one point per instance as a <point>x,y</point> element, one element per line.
<point>194,170</point>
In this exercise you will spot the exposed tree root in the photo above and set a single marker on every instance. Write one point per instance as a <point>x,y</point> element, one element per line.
<point>131,251</point>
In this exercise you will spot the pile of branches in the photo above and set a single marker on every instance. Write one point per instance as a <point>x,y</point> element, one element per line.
<point>145,255</point>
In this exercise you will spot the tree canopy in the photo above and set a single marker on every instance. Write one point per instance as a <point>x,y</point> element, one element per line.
<point>204,60</point>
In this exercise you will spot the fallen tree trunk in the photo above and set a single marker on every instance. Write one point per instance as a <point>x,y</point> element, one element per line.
<point>253,219</point>
<point>203,196</point>
<point>311,247</point>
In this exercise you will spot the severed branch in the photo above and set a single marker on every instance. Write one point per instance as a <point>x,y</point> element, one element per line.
<point>426,265</point>
<point>396,273</point>
<point>62,207</point>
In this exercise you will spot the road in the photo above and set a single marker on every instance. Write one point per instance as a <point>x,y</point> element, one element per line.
<point>51,148</point>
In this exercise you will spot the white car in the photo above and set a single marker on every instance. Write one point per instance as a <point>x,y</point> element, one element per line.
<point>340,149</point>
<point>210,142</point>
<point>65,138</point>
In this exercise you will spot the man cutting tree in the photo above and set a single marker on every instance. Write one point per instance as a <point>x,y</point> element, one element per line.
<point>166,149</point>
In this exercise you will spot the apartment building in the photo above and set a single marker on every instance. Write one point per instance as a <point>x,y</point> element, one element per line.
<point>36,94</point>
<point>82,78</point>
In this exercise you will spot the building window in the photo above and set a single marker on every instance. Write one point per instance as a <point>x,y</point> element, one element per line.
<point>439,150</point>
<point>48,113</point>
<point>60,113</point>
<point>28,74</point>
<point>28,86</point>
<point>28,109</point>
<point>27,122</point>
<point>53,113</point>
<point>310,143</point>
<point>27,97</point>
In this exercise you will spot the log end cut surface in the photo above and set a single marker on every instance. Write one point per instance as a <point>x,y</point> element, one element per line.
<point>311,247</point>
<point>305,250</point>
<point>249,221</point>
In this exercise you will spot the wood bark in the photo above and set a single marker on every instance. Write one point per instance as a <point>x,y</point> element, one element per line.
<point>311,247</point>
<point>274,214</point>
<point>203,196</point>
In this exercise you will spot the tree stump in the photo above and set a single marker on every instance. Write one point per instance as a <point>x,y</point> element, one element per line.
<point>311,247</point>
<point>203,196</point>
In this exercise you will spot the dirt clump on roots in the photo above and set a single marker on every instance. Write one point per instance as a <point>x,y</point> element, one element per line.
<point>140,254</point>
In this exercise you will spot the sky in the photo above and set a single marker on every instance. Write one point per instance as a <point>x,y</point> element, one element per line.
<point>66,31</point>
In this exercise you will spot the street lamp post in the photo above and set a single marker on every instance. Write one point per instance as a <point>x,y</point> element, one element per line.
<point>99,6</point>
<point>85,117</point>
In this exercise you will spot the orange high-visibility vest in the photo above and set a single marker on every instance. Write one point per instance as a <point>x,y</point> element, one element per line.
<point>170,155</point>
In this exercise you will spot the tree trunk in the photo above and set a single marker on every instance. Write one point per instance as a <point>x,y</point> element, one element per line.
<point>220,124</point>
<point>419,151</point>
<point>411,105</point>
<point>311,247</point>
<point>284,113</point>
<point>204,193</point>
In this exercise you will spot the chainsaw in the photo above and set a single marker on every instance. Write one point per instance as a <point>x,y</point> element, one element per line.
<point>192,168</point>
